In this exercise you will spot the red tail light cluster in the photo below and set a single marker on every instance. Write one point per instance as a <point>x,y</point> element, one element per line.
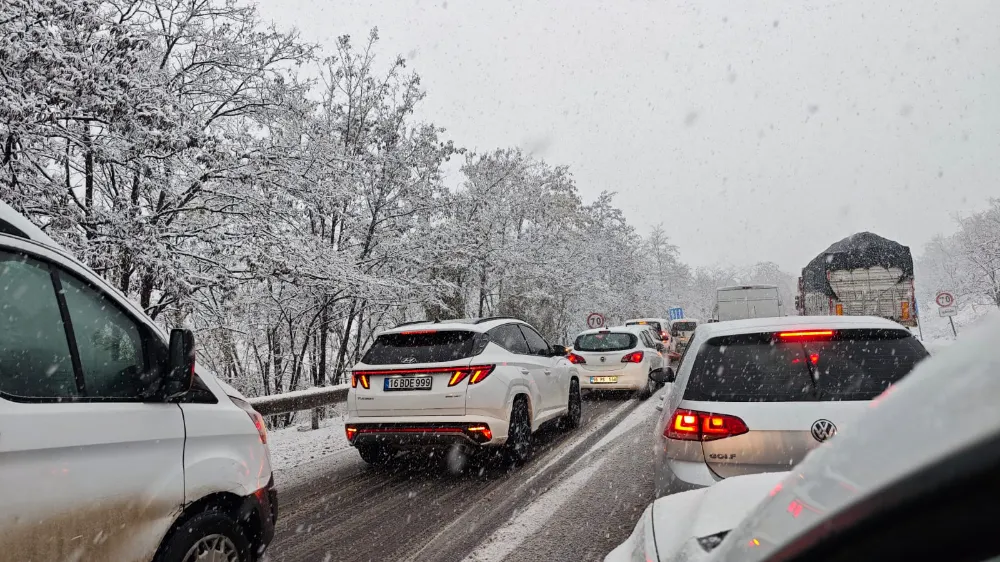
<point>576,359</point>
<point>475,374</point>
<point>691,425</point>
<point>480,433</point>
<point>634,357</point>
<point>255,417</point>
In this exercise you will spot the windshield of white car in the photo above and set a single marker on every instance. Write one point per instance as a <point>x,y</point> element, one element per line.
<point>420,346</point>
<point>850,365</point>
<point>605,341</point>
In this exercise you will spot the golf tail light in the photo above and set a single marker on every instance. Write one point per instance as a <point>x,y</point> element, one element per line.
<point>806,335</point>
<point>691,425</point>
<point>358,377</point>
<point>634,357</point>
<point>576,359</point>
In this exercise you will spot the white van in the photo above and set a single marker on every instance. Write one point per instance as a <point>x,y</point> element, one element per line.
<point>747,301</point>
<point>113,445</point>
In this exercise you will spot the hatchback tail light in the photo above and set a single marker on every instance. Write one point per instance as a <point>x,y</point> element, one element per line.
<point>255,417</point>
<point>634,357</point>
<point>691,425</point>
<point>475,373</point>
<point>576,359</point>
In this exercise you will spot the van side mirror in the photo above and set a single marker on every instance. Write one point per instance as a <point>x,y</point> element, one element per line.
<point>180,371</point>
<point>560,351</point>
<point>662,375</point>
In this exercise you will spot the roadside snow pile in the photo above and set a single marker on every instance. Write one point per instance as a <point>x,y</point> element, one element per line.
<point>293,446</point>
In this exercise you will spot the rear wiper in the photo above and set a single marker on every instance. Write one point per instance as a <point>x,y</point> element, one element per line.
<point>812,371</point>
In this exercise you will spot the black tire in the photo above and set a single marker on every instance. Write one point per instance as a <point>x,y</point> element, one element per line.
<point>198,532</point>
<point>517,449</point>
<point>575,410</point>
<point>648,390</point>
<point>374,453</point>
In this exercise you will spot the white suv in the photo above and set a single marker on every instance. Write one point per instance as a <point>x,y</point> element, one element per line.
<point>113,446</point>
<point>485,383</point>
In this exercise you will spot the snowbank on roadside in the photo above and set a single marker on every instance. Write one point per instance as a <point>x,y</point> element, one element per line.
<point>293,446</point>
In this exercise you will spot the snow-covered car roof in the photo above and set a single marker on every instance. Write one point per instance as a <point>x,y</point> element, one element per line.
<point>23,227</point>
<point>943,409</point>
<point>636,329</point>
<point>463,324</point>
<point>755,325</point>
<point>649,319</point>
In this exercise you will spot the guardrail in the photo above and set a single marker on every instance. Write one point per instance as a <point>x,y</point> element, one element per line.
<point>307,399</point>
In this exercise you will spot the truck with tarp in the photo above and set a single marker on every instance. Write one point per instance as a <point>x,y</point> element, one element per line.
<point>861,275</point>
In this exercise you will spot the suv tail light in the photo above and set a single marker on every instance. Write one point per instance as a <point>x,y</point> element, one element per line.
<point>358,376</point>
<point>691,425</point>
<point>634,357</point>
<point>476,373</point>
<point>255,417</point>
<point>665,335</point>
<point>576,359</point>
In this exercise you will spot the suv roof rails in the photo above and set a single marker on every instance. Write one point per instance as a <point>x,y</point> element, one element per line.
<point>491,318</point>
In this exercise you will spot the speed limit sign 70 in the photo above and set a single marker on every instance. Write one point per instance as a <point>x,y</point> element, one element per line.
<point>944,299</point>
<point>595,320</point>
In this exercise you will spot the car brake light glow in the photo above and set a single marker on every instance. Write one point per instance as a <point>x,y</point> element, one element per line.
<point>576,359</point>
<point>483,430</point>
<point>691,425</point>
<point>351,432</point>
<point>805,334</point>
<point>255,417</point>
<point>357,376</point>
<point>634,357</point>
<point>417,332</point>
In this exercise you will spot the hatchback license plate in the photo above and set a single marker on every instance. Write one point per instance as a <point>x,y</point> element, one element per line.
<point>408,383</point>
<point>597,380</point>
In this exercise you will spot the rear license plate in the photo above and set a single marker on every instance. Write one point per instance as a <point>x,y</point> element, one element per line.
<point>408,383</point>
<point>598,380</point>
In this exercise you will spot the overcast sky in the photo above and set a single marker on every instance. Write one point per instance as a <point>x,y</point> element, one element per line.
<point>754,131</point>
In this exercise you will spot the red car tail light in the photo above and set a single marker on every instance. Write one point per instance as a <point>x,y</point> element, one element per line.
<point>691,425</point>
<point>358,376</point>
<point>255,417</point>
<point>351,432</point>
<point>576,359</point>
<point>634,357</point>
<point>806,335</point>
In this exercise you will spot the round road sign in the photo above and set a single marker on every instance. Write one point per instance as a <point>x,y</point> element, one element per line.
<point>944,299</point>
<point>595,320</point>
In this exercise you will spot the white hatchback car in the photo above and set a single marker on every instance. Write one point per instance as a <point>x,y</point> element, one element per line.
<point>913,478</point>
<point>620,358</point>
<point>757,395</point>
<point>474,384</point>
<point>113,444</point>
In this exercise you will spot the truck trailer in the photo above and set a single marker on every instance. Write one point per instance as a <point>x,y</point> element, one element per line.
<point>861,275</point>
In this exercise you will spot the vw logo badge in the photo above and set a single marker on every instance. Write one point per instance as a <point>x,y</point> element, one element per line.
<point>603,359</point>
<point>822,430</point>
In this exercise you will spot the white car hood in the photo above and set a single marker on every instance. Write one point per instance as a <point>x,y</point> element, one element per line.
<point>679,520</point>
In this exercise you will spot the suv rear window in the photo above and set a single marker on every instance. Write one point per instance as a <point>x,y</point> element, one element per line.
<point>850,365</point>
<point>420,347</point>
<point>605,341</point>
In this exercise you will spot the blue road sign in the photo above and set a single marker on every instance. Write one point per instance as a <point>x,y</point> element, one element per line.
<point>676,313</point>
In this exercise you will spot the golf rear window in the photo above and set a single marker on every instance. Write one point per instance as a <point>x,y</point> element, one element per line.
<point>420,347</point>
<point>605,341</point>
<point>849,365</point>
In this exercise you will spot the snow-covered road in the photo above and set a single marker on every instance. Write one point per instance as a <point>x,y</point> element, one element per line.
<point>591,484</point>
